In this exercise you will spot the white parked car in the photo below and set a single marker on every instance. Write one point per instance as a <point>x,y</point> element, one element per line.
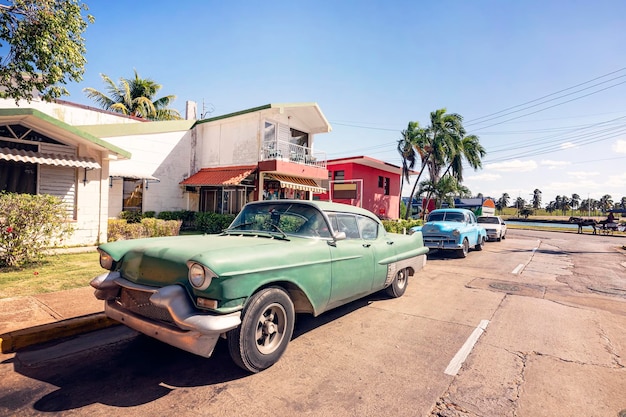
<point>495,227</point>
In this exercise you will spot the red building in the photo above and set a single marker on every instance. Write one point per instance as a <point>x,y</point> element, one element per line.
<point>365,182</point>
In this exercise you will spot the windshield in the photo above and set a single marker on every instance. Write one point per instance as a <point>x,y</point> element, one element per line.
<point>491,220</point>
<point>286,218</point>
<point>438,216</point>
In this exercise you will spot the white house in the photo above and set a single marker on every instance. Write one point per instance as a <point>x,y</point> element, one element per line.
<point>41,154</point>
<point>102,163</point>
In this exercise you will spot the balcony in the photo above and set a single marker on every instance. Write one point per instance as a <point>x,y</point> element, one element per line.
<point>290,152</point>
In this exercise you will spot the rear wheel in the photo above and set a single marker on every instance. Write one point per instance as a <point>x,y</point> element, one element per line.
<point>265,331</point>
<point>398,286</point>
<point>481,243</point>
<point>462,253</point>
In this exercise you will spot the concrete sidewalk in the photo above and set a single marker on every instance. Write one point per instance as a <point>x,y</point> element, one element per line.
<point>27,321</point>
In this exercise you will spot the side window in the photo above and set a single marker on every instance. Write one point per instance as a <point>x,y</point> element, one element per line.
<point>347,223</point>
<point>368,227</point>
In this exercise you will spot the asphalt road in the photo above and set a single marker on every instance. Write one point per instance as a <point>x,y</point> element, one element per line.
<point>546,312</point>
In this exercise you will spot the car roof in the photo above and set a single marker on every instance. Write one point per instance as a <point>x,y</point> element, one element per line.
<point>453,210</point>
<point>324,206</point>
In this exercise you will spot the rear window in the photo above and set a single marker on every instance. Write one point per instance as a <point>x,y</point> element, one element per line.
<point>491,220</point>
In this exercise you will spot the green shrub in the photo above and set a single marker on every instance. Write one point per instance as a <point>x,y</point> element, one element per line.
<point>149,214</point>
<point>213,222</point>
<point>401,226</point>
<point>29,224</point>
<point>131,216</point>
<point>120,229</point>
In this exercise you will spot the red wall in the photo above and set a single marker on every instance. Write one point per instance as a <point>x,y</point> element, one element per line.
<point>374,198</point>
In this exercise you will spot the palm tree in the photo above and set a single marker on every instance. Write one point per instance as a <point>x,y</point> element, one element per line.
<point>565,204</point>
<point>409,158</point>
<point>504,201</point>
<point>536,198</point>
<point>134,97</point>
<point>470,150</point>
<point>606,203</point>
<point>575,202</point>
<point>519,203</point>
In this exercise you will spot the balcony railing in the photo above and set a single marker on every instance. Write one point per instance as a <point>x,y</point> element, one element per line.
<point>293,153</point>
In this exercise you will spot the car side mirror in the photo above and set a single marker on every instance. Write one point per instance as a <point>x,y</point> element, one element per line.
<point>339,236</point>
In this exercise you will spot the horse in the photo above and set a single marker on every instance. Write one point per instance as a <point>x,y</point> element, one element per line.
<point>583,222</point>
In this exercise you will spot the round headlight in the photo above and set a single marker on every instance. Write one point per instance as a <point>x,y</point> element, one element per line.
<point>456,232</point>
<point>198,276</point>
<point>106,261</point>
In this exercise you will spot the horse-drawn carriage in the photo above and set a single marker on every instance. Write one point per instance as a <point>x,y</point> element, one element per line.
<point>604,227</point>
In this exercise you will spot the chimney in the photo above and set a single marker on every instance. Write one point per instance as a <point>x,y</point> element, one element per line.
<point>191,110</point>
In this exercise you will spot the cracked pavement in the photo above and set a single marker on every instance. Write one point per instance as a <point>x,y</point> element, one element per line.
<point>554,353</point>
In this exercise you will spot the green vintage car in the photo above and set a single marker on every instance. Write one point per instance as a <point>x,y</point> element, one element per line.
<point>276,259</point>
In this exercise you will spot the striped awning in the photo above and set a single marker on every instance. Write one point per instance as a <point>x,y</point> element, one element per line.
<point>20,155</point>
<point>297,183</point>
<point>233,175</point>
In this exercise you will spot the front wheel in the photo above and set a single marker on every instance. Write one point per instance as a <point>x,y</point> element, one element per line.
<point>462,253</point>
<point>265,331</point>
<point>399,283</point>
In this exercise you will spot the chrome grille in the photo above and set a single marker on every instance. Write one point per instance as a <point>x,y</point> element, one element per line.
<point>138,302</point>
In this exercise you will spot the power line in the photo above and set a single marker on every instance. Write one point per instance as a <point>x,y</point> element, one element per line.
<point>549,95</point>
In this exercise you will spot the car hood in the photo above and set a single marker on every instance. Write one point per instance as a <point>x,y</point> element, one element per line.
<point>163,261</point>
<point>441,227</point>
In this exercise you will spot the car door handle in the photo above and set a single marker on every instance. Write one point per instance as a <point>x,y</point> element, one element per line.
<point>390,242</point>
<point>367,245</point>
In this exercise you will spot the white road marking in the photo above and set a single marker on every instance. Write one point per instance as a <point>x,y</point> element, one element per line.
<point>463,353</point>
<point>518,269</point>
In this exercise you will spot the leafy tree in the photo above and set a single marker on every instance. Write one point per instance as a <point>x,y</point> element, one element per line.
<point>134,97</point>
<point>526,211</point>
<point>41,47</point>
<point>622,203</point>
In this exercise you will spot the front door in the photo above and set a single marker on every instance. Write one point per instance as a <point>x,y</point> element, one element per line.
<point>352,262</point>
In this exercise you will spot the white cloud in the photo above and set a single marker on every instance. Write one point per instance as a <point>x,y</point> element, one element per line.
<point>619,146</point>
<point>582,175</point>
<point>568,145</point>
<point>515,165</point>
<point>483,177</point>
<point>554,164</point>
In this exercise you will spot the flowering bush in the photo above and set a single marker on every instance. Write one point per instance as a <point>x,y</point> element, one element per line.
<point>28,225</point>
<point>120,229</point>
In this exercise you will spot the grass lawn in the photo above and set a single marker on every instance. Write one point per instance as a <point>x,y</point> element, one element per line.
<point>55,273</point>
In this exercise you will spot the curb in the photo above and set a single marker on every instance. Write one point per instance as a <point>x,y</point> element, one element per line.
<point>11,342</point>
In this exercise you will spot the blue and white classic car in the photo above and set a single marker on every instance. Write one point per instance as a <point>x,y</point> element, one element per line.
<point>453,229</point>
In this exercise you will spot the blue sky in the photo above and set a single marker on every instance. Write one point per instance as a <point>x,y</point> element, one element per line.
<point>373,66</point>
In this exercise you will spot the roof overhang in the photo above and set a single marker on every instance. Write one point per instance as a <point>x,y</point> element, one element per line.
<point>370,162</point>
<point>309,114</point>
<point>19,155</point>
<point>57,129</point>
<point>221,176</point>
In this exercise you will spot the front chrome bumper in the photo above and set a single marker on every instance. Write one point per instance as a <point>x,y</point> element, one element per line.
<point>176,322</point>
<point>441,243</point>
